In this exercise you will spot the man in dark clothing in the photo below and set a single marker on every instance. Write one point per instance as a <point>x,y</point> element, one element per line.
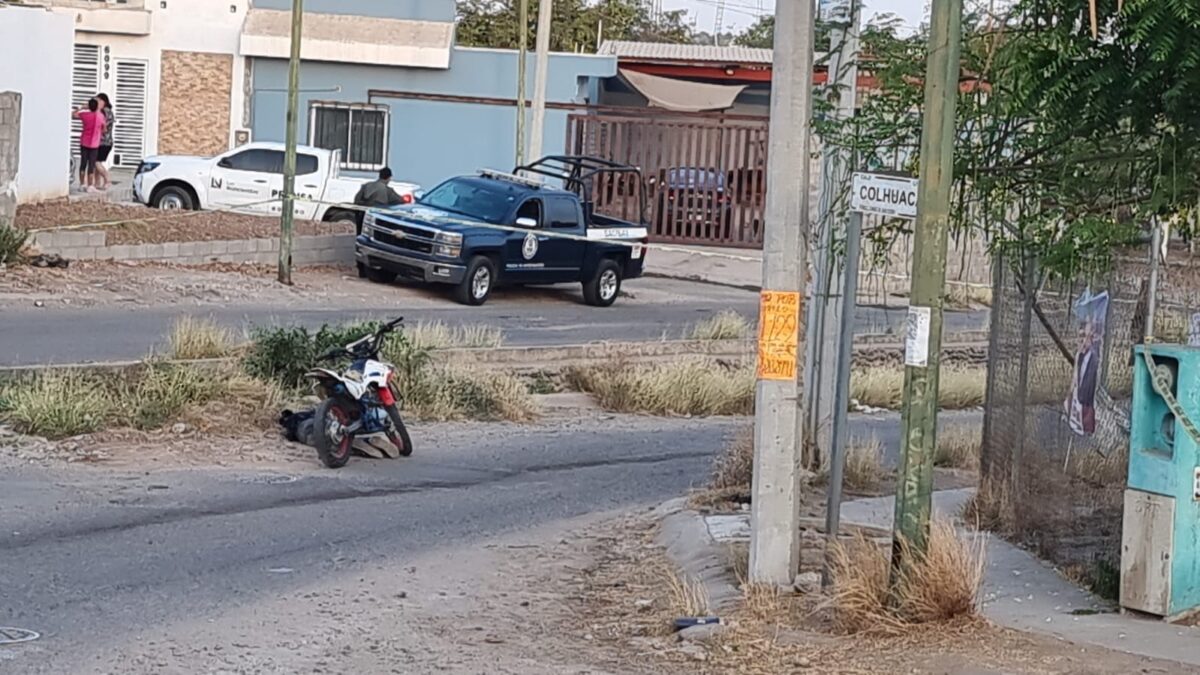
<point>378,192</point>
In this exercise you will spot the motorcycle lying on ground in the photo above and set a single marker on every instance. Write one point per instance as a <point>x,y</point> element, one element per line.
<point>358,405</point>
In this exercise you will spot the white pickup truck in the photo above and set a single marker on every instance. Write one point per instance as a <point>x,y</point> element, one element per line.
<point>250,179</point>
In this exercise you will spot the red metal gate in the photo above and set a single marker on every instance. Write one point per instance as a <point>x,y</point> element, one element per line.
<point>705,177</point>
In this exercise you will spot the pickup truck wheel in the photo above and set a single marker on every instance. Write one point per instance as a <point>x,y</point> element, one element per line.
<point>174,198</point>
<point>476,286</point>
<point>604,286</point>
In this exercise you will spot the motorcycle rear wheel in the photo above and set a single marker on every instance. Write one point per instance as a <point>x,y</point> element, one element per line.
<point>334,452</point>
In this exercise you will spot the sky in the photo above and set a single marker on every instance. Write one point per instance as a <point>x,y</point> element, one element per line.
<point>742,13</point>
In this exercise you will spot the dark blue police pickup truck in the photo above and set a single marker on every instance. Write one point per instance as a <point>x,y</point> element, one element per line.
<point>475,232</point>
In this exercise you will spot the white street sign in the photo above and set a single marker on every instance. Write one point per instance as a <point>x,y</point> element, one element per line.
<point>884,195</point>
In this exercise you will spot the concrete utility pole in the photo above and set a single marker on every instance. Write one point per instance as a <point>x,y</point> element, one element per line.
<point>923,343</point>
<point>287,220</point>
<point>824,314</point>
<point>545,15</point>
<point>775,507</point>
<point>522,53</point>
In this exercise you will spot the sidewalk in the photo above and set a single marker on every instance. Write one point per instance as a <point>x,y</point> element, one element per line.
<point>708,264</point>
<point>1023,593</point>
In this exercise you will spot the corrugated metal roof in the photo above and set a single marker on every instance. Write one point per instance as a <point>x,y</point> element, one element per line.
<point>664,51</point>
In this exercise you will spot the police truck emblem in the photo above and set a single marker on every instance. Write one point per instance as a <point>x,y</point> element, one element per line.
<point>530,247</point>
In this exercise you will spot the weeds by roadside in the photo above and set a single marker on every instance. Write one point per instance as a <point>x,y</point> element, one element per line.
<point>439,335</point>
<point>958,447</point>
<point>193,338</point>
<point>991,508</point>
<point>937,586</point>
<point>968,296</point>
<point>725,325</point>
<point>12,241</point>
<point>959,387</point>
<point>699,387</point>
<point>864,464</point>
<point>57,404</point>
<point>60,404</point>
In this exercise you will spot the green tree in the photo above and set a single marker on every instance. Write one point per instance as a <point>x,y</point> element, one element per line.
<point>576,26</point>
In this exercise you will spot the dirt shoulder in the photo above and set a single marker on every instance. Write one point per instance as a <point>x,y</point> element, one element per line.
<point>584,595</point>
<point>627,592</point>
<point>131,224</point>
<point>95,284</point>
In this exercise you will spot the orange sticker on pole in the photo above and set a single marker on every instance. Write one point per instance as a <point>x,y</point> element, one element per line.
<point>778,334</point>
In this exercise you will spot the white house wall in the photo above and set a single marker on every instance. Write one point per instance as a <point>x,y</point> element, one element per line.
<point>194,26</point>
<point>34,36</point>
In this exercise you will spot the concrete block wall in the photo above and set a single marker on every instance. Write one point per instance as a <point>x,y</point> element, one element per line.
<point>10,153</point>
<point>330,249</point>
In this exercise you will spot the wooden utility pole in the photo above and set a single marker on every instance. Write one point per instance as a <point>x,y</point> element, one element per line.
<point>522,53</point>
<point>923,341</point>
<point>287,220</point>
<point>537,130</point>
<point>775,505</point>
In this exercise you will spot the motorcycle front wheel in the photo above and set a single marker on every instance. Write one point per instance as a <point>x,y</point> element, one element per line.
<point>329,428</point>
<point>398,434</point>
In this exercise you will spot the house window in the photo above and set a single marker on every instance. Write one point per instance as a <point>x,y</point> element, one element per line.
<point>359,131</point>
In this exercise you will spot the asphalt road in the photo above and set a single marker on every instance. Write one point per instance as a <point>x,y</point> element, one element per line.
<point>93,557</point>
<point>658,308</point>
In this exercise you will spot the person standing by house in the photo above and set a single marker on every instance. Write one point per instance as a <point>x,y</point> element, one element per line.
<point>106,141</point>
<point>89,142</point>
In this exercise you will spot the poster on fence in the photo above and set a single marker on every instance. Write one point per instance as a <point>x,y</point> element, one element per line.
<point>1091,312</point>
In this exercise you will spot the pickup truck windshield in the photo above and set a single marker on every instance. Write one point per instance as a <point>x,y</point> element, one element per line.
<point>489,201</point>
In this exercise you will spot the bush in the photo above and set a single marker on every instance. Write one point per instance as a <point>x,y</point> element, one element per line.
<point>446,392</point>
<point>735,466</point>
<point>58,404</point>
<point>700,387</point>
<point>284,354</point>
<point>864,464</point>
<point>12,241</point>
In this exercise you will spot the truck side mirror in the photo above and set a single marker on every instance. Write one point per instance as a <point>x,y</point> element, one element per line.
<point>526,222</point>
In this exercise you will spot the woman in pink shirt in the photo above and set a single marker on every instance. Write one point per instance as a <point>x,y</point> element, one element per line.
<point>89,143</point>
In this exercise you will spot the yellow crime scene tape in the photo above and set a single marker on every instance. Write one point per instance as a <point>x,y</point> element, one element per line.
<point>239,209</point>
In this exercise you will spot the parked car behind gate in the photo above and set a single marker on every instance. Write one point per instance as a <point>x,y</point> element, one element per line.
<point>692,200</point>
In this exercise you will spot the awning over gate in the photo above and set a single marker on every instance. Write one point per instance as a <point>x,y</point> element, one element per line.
<point>682,95</point>
<point>350,39</point>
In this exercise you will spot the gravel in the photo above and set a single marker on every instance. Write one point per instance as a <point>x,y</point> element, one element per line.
<point>131,224</point>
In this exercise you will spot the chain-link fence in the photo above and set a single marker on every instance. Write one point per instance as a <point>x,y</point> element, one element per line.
<point>1055,455</point>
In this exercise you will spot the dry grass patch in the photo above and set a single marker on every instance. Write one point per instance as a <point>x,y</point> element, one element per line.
<point>700,387</point>
<point>57,404</point>
<point>959,387</point>
<point>958,447</point>
<point>864,464</point>
<point>991,508</point>
<point>686,596</point>
<point>937,586</point>
<point>735,467</point>
<point>967,296</point>
<point>725,325</point>
<point>192,338</point>
<point>440,335</point>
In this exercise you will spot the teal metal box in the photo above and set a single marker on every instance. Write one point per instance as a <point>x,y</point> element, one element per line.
<point>1160,542</point>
